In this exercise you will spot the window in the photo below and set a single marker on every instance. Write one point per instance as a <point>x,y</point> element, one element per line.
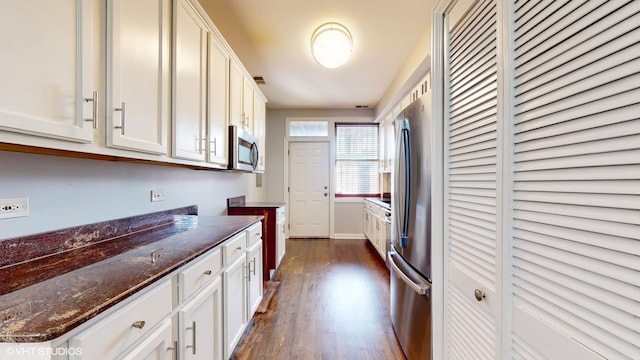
<point>357,159</point>
<point>308,128</point>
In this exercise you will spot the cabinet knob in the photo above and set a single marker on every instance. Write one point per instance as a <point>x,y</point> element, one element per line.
<point>207,272</point>
<point>479,294</point>
<point>138,324</point>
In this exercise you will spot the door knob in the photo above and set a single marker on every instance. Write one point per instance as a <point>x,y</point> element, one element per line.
<point>325,194</point>
<point>479,294</point>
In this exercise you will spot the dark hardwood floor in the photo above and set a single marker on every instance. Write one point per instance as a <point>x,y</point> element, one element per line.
<point>332,303</point>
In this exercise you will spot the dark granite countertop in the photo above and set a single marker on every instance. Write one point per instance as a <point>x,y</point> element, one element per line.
<point>86,280</point>
<point>261,205</point>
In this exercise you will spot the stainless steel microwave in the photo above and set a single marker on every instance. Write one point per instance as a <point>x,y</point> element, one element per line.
<point>243,150</point>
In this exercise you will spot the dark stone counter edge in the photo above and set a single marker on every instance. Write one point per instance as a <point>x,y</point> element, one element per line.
<point>94,289</point>
<point>261,205</point>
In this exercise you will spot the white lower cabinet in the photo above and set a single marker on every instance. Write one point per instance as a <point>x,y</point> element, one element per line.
<point>113,335</point>
<point>235,319</point>
<point>159,345</point>
<point>254,278</point>
<point>200,324</point>
<point>376,227</point>
<point>281,236</point>
<point>243,287</point>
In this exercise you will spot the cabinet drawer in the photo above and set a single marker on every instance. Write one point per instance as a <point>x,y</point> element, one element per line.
<point>199,274</point>
<point>113,334</point>
<point>234,247</point>
<point>254,234</point>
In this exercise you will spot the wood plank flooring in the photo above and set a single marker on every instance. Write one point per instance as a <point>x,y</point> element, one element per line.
<point>332,303</point>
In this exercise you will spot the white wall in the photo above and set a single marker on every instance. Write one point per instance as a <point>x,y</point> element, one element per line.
<point>66,192</point>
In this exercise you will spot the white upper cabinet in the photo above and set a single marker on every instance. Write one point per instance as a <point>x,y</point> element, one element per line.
<point>189,87</point>
<point>47,66</point>
<point>259,129</point>
<point>236,84</point>
<point>247,103</point>
<point>218,101</point>
<point>138,71</point>
<point>241,98</point>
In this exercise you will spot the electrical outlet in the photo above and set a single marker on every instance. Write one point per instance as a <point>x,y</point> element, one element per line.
<point>14,207</point>
<point>157,195</point>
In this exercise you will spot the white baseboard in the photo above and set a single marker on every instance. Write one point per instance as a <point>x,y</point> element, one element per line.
<point>348,236</point>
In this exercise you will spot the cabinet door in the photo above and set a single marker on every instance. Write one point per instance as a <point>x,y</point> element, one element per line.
<point>254,263</point>
<point>281,240</point>
<point>235,304</point>
<point>389,144</point>
<point>259,129</point>
<point>138,101</point>
<point>47,67</point>
<point>236,84</point>
<point>189,93</point>
<point>218,101</point>
<point>159,345</point>
<point>247,103</point>
<point>200,324</point>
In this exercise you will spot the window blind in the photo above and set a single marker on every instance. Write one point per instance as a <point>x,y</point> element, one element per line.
<point>357,159</point>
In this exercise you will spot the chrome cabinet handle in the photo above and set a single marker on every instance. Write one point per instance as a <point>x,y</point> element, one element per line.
<point>94,109</point>
<point>193,337</point>
<point>174,348</point>
<point>248,275</point>
<point>254,266</point>
<point>123,117</point>
<point>215,147</point>
<point>138,324</point>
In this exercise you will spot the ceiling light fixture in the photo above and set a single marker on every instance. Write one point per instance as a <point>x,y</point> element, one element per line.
<point>331,45</point>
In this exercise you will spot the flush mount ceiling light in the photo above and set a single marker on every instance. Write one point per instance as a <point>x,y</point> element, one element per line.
<point>331,45</point>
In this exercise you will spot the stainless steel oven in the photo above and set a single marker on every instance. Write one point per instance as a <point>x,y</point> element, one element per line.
<point>243,150</point>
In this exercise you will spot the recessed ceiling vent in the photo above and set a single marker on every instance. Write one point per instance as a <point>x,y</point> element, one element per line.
<point>362,106</point>
<point>259,80</point>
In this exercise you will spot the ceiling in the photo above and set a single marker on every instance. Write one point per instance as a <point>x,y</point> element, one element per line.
<point>272,39</point>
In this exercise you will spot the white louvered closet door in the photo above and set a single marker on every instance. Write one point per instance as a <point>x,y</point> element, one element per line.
<point>471,199</point>
<point>576,219</point>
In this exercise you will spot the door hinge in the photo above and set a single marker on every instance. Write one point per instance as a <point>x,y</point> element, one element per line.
<point>288,152</point>
<point>289,226</point>
<point>288,189</point>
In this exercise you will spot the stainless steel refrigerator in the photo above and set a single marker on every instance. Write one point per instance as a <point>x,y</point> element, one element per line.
<point>410,255</point>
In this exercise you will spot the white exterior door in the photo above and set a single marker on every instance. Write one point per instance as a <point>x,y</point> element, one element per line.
<point>309,189</point>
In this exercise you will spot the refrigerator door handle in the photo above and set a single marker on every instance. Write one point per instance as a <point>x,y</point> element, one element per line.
<point>403,179</point>
<point>420,287</point>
